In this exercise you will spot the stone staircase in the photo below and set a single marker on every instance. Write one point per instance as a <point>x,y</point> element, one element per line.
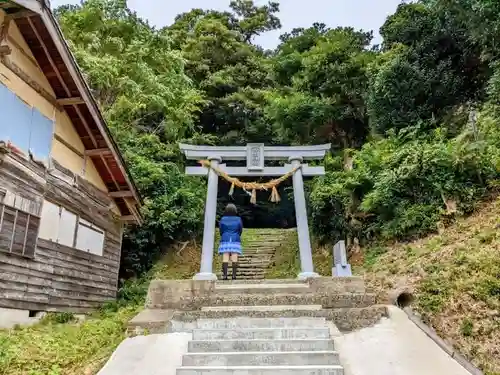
<point>261,327</point>
<point>259,248</point>
<point>253,326</point>
<point>261,346</point>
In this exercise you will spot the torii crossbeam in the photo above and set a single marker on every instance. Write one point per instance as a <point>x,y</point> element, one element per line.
<point>256,154</point>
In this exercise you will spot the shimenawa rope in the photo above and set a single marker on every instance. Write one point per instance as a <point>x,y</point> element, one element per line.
<point>252,186</point>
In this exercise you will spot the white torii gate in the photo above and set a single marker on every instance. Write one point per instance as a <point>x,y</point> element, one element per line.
<point>256,154</point>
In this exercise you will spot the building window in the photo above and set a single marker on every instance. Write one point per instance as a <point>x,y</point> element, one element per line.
<point>89,238</point>
<point>18,225</point>
<point>24,126</point>
<point>64,227</point>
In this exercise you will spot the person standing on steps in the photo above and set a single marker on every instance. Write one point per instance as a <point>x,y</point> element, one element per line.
<point>230,227</point>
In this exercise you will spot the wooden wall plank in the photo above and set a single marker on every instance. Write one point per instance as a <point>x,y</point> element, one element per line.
<point>59,278</point>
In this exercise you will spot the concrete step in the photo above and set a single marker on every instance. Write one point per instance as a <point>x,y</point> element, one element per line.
<point>256,250</point>
<point>246,277</point>
<point>259,358</point>
<point>203,346</point>
<point>262,308</point>
<point>262,370</point>
<point>262,288</point>
<point>268,281</point>
<point>336,300</point>
<point>346,319</point>
<point>237,323</point>
<point>259,249</point>
<point>261,334</point>
<point>242,275</point>
<point>249,271</point>
<point>257,262</point>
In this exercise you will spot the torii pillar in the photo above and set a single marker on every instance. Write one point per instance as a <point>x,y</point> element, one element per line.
<point>256,154</point>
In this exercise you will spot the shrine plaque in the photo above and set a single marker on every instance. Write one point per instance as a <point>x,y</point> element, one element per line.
<point>255,156</point>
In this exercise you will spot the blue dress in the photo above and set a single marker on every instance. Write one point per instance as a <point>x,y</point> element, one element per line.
<point>230,228</point>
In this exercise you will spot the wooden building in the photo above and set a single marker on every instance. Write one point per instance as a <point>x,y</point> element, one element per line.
<point>65,192</point>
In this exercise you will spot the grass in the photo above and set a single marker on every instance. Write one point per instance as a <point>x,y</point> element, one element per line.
<point>456,279</point>
<point>61,345</point>
<point>286,262</point>
<point>455,275</point>
<point>52,348</point>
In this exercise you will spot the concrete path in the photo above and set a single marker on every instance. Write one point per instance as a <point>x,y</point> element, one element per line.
<point>148,355</point>
<point>395,346</point>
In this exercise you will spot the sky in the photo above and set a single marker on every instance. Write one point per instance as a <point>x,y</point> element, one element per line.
<point>360,14</point>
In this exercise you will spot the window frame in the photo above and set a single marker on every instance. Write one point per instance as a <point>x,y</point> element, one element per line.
<point>30,217</point>
<point>78,221</point>
<point>29,151</point>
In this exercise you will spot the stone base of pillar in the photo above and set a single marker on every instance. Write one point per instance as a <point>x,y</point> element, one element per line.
<point>342,270</point>
<point>308,275</point>
<point>205,276</point>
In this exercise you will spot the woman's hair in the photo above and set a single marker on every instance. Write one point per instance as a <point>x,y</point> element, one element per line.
<point>231,210</point>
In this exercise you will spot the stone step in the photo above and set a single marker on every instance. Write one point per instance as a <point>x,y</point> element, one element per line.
<point>255,255</point>
<point>255,263</point>
<point>242,266</point>
<point>262,288</point>
<point>244,275</point>
<point>268,281</point>
<point>245,270</point>
<point>260,247</point>
<point>261,334</point>
<point>255,259</point>
<point>329,301</point>
<point>265,242</point>
<point>259,358</point>
<point>346,319</point>
<point>262,308</point>
<point>262,370</point>
<point>255,251</point>
<point>203,346</point>
<point>264,239</point>
<point>245,278</point>
<point>236,323</point>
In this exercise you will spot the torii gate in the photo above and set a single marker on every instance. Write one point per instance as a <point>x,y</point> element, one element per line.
<point>256,154</point>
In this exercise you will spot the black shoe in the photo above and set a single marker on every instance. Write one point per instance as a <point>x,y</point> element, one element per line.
<point>224,271</point>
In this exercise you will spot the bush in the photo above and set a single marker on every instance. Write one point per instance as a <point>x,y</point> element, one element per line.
<point>399,188</point>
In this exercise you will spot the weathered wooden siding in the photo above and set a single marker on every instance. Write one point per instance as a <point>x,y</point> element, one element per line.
<point>59,278</point>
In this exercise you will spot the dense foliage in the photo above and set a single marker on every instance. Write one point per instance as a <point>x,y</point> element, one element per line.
<point>399,113</point>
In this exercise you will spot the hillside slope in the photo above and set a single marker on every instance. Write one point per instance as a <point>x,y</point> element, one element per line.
<point>456,279</point>
<point>455,276</point>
